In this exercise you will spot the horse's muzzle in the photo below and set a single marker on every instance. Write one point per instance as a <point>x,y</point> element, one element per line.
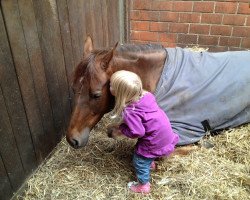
<point>78,139</point>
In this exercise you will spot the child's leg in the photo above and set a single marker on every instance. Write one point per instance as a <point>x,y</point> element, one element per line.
<point>142,170</point>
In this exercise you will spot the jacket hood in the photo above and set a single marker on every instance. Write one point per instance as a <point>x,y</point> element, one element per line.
<point>147,103</point>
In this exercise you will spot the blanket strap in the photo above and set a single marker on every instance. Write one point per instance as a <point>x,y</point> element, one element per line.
<point>206,125</point>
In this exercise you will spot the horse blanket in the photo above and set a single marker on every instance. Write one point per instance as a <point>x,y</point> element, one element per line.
<point>204,90</point>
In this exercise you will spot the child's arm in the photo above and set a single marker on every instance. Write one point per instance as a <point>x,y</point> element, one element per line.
<point>113,130</point>
<point>132,126</point>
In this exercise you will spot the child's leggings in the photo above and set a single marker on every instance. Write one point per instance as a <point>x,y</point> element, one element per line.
<point>142,168</point>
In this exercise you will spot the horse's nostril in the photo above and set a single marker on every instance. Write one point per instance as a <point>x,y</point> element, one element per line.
<point>75,143</point>
<point>78,139</point>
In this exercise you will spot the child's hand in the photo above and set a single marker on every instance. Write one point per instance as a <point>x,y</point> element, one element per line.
<point>113,131</point>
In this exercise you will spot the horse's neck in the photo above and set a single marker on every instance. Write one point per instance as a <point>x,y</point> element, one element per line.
<point>148,67</point>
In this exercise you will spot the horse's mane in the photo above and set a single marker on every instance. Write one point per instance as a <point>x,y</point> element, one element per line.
<point>139,48</point>
<point>134,51</point>
<point>86,67</point>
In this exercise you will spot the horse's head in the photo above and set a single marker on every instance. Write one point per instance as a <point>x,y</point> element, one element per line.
<point>92,95</point>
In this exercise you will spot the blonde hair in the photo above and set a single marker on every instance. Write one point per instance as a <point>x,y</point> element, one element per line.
<point>127,87</point>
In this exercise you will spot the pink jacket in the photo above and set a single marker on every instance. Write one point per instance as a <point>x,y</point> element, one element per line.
<point>146,121</point>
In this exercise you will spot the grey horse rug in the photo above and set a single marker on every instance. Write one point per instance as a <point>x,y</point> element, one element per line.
<point>201,91</point>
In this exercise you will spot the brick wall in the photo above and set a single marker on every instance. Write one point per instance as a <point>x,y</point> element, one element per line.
<point>219,25</point>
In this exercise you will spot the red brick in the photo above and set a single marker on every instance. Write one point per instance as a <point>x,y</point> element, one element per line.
<point>226,7</point>
<point>159,26</point>
<point>234,20</point>
<point>244,8</point>
<point>162,5</point>
<point>208,40</point>
<point>247,1</point>
<point>245,43</point>
<point>169,16</point>
<point>149,15</point>
<point>138,42</point>
<point>199,28</point>
<point>144,15</point>
<point>201,6</point>
<point>178,28</point>
<point>241,31</point>
<point>182,45</point>
<point>235,49</point>
<point>238,0</point>
<point>134,35</point>
<point>248,21</point>
<point>211,18</point>
<point>189,17</point>
<point>220,30</point>
<point>182,6</point>
<point>171,45</point>
<point>134,15</point>
<point>187,39</point>
<point>149,36</point>
<point>217,49</point>
<point>139,25</point>
<point>141,4</point>
<point>167,37</point>
<point>230,41</point>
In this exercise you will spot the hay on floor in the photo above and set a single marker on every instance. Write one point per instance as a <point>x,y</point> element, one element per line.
<point>102,169</point>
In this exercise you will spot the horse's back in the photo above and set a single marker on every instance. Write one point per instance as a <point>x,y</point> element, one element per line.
<point>199,86</point>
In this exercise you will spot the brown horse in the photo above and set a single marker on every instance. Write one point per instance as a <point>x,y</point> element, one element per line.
<point>199,91</point>
<point>91,82</point>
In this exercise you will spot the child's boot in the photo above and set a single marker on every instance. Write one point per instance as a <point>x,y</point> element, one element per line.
<point>139,188</point>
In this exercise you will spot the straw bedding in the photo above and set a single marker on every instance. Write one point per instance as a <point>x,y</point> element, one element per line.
<point>102,169</point>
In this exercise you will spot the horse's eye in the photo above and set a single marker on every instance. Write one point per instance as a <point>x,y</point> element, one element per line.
<point>96,95</point>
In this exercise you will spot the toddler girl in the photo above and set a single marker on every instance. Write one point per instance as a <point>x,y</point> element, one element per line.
<point>143,119</point>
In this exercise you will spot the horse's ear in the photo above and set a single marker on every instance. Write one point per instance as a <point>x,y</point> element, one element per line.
<point>115,45</point>
<point>107,58</point>
<point>88,45</point>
